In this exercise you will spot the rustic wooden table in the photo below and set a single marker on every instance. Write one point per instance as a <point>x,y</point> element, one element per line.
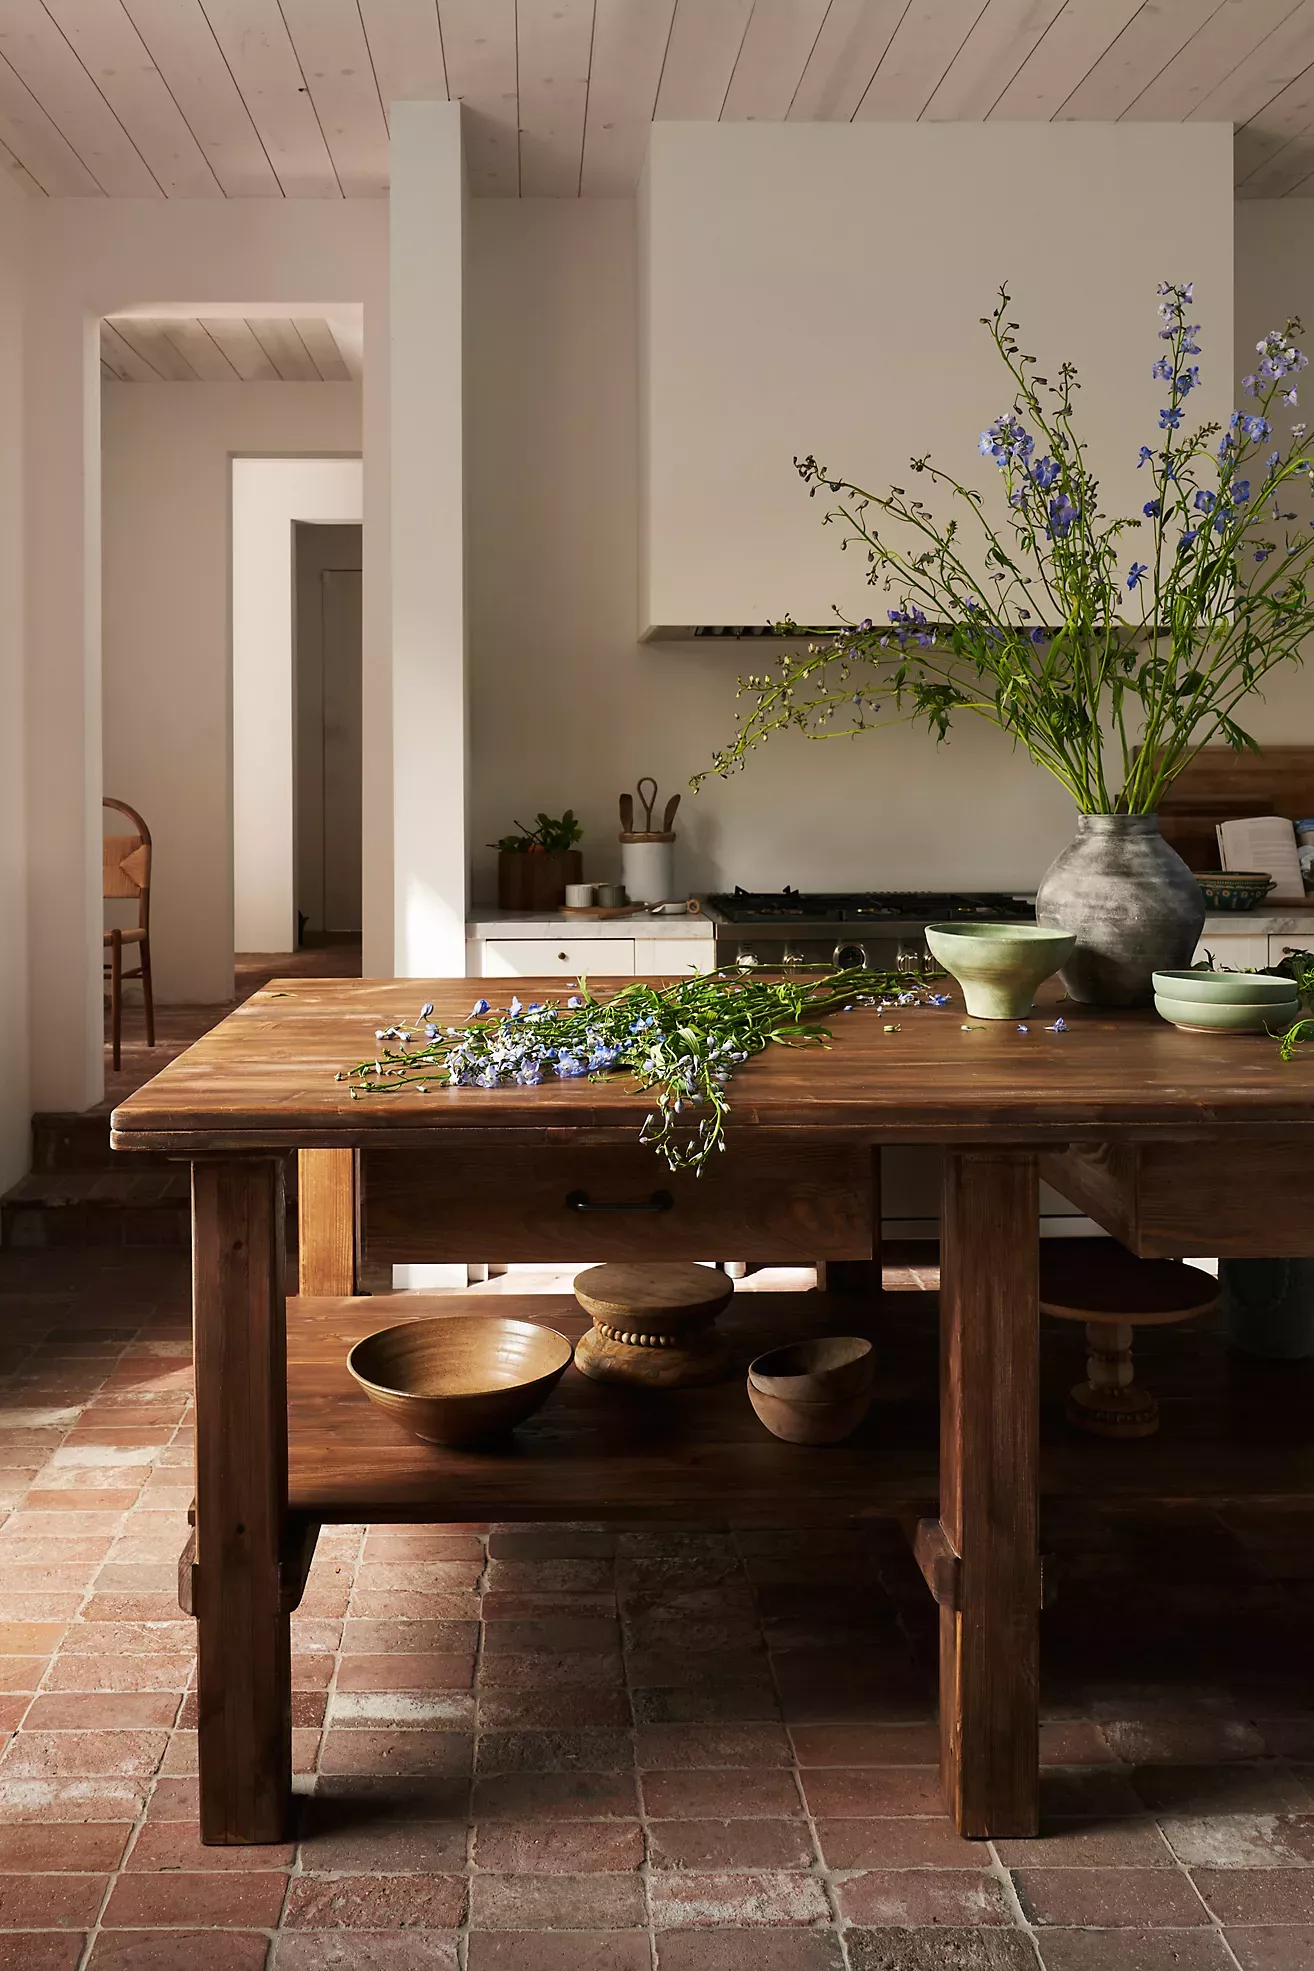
<point>1177,1142</point>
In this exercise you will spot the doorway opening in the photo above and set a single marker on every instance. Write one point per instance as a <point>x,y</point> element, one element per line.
<point>327,731</point>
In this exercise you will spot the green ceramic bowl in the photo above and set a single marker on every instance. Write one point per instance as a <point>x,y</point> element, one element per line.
<point>1201,1015</point>
<point>1225,988</point>
<point>999,966</point>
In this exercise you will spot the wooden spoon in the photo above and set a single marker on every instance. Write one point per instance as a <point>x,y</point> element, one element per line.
<point>627,813</point>
<point>668,818</point>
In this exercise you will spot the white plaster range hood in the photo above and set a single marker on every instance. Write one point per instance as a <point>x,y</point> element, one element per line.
<point>816,288</point>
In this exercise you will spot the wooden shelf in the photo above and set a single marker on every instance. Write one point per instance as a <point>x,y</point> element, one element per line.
<point>1231,1428</point>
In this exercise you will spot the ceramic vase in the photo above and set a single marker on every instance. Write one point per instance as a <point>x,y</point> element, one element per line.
<point>1130,901</point>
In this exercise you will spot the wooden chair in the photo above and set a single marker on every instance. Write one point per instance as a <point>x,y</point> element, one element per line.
<point>126,865</point>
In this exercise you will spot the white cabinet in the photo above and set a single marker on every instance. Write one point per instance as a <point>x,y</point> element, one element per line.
<point>676,956</point>
<point>528,958</point>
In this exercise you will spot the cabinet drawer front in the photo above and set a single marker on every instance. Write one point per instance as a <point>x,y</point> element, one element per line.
<point>528,958</point>
<point>762,1202</point>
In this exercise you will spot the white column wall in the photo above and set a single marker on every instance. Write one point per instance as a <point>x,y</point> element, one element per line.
<point>15,1106</point>
<point>269,497</point>
<point>429,723</point>
<point>106,256</point>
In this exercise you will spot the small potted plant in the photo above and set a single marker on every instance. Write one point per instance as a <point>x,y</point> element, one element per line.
<point>534,867</point>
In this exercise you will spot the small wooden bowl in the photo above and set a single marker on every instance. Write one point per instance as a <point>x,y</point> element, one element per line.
<point>461,1380</point>
<point>813,1392</point>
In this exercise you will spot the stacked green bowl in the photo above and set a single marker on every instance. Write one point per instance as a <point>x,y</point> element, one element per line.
<point>1226,1002</point>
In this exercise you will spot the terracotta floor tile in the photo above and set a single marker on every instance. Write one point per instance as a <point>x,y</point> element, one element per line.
<point>1258,1895</point>
<point>92,1848</point>
<point>448,1753</point>
<point>338,1837</point>
<point>174,1845</point>
<point>723,1794</point>
<point>375,1902</point>
<point>171,1637</point>
<point>28,1800</point>
<point>41,1950</point>
<point>570,1709</point>
<point>776,1899</point>
<point>558,1796</point>
<point>1108,1898</point>
<point>102,1710</point>
<point>1139,1950</point>
<point>918,1897</point>
<point>1089,1844</point>
<point>866,1745</point>
<point>715,1845</point>
<point>239,1899</point>
<point>542,1847</point>
<point>146,1671</point>
<point>556,1902</point>
<point>1230,1789</point>
<point>754,1950</point>
<point>436,1638</point>
<point>550,1543</point>
<point>542,1670</point>
<point>1270,1949</point>
<point>405,1670</point>
<point>420,1543</point>
<point>1241,1840</point>
<point>834,1792</point>
<point>896,1843</point>
<point>705,1704</point>
<point>671,1747</point>
<point>29,1638</point>
<point>42,1754</point>
<point>50,1902</point>
<point>22,1673</point>
<point>589,1751</point>
<point>410,1605</point>
<point>424,1575</point>
<point>560,1576</point>
<point>575,1950</point>
<point>178,1950</point>
<point>363,1950</point>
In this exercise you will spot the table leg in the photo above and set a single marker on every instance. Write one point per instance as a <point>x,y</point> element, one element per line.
<point>244,1676</point>
<point>989,1429</point>
<point>328,1220</point>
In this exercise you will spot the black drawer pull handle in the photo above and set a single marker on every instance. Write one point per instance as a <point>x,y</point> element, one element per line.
<point>581,1201</point>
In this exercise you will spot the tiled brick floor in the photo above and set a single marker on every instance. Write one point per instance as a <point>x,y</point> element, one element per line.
<point>565,1749</point>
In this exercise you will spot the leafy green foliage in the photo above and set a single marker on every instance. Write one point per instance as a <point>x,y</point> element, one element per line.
<point>1111,681</point>
<point>545,834</point>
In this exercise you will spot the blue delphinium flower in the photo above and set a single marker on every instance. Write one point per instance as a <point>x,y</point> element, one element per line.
<point>1162,371</point>
<point>1188,379</point>
<point>1060,1025</point>
<point>1135,573</point>
<point>480,1006</point>
<point>1257,428</point>
<point>1045,471</point>
<point>1145,457</point>
<point>1170,418</point>
<point>1241,491</point>
<point>1039,636</point>
<point>1151,509</point>
<point>1062,513</point>
<point>1186,539</point>
<point>1203,501</point>
<point>1250,384</point>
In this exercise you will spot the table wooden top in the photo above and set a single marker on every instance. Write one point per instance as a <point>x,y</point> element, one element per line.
<point>264,1079</point>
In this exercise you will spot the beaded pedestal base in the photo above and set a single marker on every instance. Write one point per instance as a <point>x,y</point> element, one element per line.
<point>652,1325</point>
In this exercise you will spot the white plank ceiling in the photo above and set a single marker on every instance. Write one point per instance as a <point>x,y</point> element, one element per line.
<point>136,350</point>
<point>289,98</point>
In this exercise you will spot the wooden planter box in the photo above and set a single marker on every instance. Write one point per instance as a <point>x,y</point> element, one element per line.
<point>536,882</point>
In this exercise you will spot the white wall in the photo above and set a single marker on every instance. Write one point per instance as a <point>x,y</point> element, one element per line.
<point>15,1106</point>
<point>166,658</point>
<point>94,257</point>
<point>816,288</point>
<point>1275,280</point>
<point>569,709</point>
<point>269,496</point>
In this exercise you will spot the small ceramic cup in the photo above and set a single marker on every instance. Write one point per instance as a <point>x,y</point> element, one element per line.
<point>611,896</point>
<point>579,896</point>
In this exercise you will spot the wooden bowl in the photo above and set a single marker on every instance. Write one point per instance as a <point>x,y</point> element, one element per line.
<point>461,1380</point>
<point>813,1392</point>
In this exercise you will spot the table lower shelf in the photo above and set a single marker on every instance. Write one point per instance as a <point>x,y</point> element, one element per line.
<point>1230,1428</point>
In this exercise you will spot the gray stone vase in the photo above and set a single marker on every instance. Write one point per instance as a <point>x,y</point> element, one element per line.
<point>1130,901</point>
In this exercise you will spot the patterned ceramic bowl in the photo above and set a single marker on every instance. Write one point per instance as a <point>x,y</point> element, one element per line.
<point>1233,889</point>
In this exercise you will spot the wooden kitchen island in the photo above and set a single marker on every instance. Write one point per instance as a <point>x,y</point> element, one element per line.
<point>1180,1143</point>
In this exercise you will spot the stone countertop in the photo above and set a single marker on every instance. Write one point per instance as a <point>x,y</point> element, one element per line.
<point>1275,919</point>
<point>492,923</point>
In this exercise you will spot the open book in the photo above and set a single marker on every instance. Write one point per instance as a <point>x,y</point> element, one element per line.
<point>1264,842</point>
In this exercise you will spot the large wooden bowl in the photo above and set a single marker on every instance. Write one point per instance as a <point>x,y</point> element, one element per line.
<point>463,1379</point>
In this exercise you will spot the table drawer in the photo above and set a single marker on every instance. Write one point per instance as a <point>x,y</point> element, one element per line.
<point>529,958</point>
<point>758,1202</point>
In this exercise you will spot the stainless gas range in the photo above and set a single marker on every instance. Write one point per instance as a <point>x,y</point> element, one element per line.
<point>879,929</point>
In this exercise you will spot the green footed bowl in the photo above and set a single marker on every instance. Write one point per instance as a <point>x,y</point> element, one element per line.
<point>1225,988</point>
<point>999,966</point>
<point>1224,1016</point>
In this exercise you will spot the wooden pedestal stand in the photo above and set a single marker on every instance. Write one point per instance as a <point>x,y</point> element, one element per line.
<point>652,1325</point>
<point>1100,1283</point>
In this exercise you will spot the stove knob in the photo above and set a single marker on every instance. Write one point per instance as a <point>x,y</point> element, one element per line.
<point>746,960</point>
<point>850,958</point>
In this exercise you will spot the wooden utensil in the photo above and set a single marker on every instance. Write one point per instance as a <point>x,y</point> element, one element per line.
<point>668,818</point>
<point>627,813</point>
<point>649,801</point>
